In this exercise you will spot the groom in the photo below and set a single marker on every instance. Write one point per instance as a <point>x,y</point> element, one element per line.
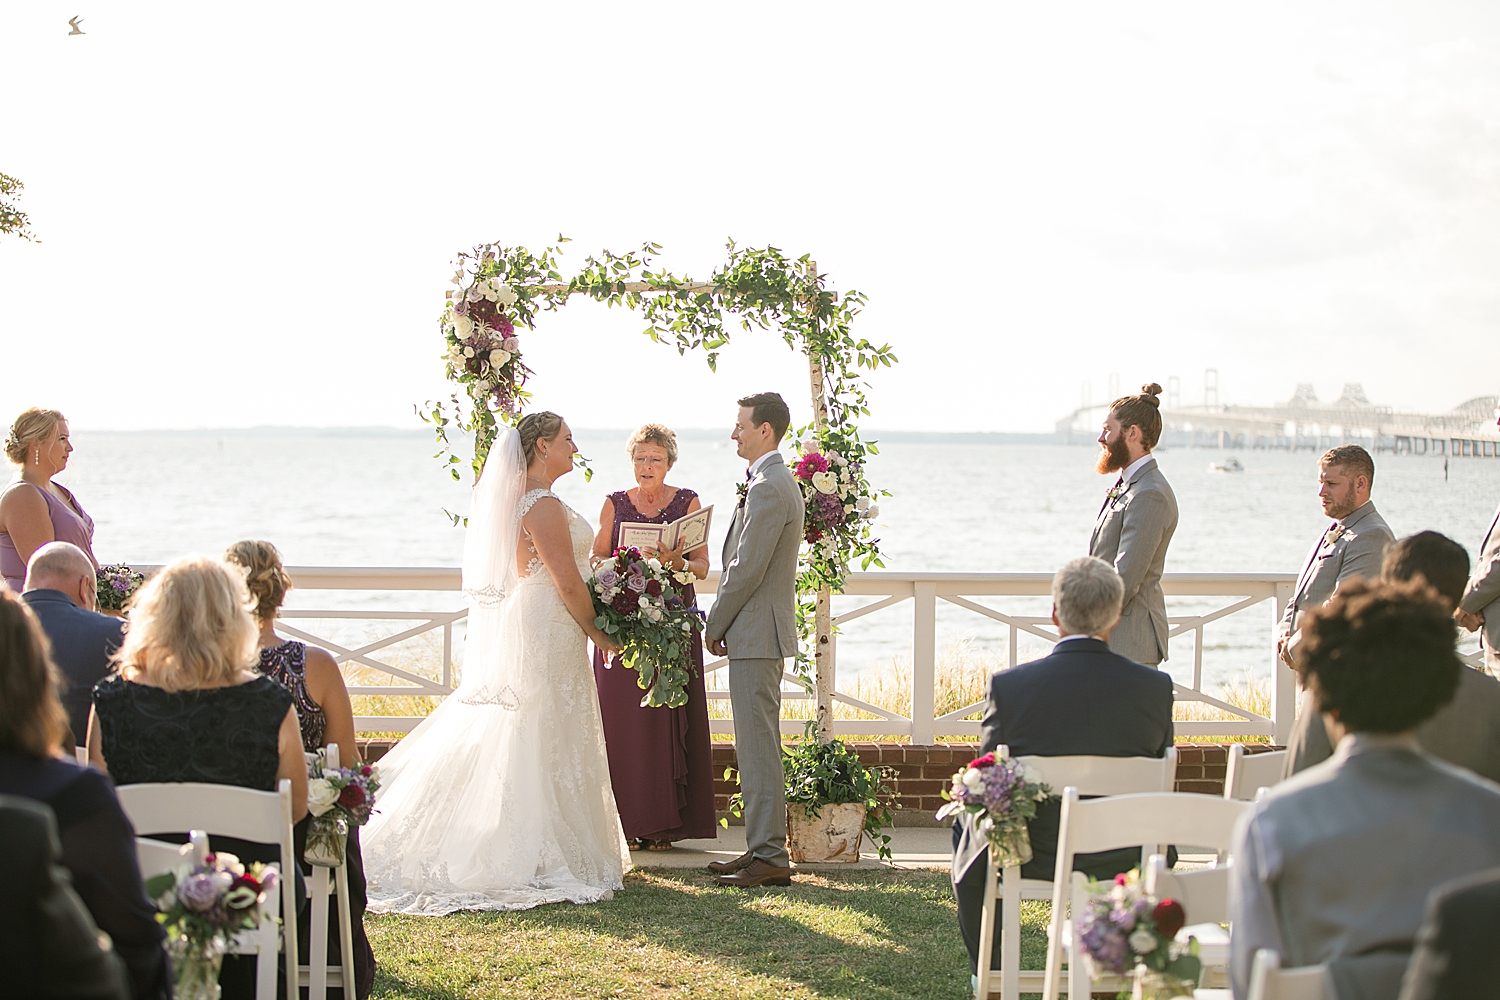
<point>753,623</point>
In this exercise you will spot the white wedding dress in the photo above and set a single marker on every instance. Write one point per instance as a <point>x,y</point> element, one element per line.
<point>501,799</point>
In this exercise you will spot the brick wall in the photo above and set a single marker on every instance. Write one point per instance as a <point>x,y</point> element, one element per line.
<point>922,772</point>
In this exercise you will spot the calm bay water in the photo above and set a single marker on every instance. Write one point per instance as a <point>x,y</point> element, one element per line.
<point>375,498</point>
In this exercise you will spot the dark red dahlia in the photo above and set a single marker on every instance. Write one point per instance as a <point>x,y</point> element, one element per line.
<point>653,587</point>
<point>1169,917</point>
<point>625,602</point>
<point>352,797</point>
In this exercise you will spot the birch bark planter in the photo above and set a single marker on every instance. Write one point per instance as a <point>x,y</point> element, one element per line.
<point>832,836</point>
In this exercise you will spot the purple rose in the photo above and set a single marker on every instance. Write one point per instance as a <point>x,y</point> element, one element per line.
<point>608,578</point>
<point>637,583</point>
<point>198,893</point>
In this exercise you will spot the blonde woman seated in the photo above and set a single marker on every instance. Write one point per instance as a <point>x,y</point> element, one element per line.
<point>189,705</point>
<point>325,714</point>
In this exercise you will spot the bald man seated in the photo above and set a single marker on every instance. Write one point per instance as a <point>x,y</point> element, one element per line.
<point>60,583</point>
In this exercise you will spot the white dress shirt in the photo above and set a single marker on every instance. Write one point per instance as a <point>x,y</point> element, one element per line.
<point>756,465</point>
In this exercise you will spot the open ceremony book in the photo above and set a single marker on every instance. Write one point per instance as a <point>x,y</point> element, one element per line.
<point>691,530</point>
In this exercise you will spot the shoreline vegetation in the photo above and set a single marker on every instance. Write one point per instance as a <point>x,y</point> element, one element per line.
<point>962,675</point>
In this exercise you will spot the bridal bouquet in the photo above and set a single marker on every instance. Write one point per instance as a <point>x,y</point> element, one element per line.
<point>202,906</point>
<point>115,585</point>
<point>483,352</point>
<point>1123,929</point>
<point>638,603</point>
<point>1003,793</point>
<point>336,797</point>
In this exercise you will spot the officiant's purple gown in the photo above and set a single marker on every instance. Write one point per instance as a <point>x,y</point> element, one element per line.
<point>660,762</point>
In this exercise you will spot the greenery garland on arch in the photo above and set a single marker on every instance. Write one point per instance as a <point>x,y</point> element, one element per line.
<point>499,290</point>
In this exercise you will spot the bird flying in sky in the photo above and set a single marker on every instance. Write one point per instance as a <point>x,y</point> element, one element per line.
<point>74,25</point>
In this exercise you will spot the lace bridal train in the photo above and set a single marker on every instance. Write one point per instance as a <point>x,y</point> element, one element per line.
<point>501,799</point>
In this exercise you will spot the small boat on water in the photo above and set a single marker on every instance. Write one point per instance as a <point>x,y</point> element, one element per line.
<point>1229,465</point>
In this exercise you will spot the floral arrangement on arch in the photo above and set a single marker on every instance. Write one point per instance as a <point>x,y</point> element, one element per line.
<point>337,798</point>
<point>638,602</point>
<point>115,585</point>
<point>839,502</point>
<point>1124,929</point>
<point>484,354</point>
<point>1003,794</point>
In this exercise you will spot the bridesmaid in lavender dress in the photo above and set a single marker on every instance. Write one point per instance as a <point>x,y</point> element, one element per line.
<point>33,509</point>
<point>660,762</point>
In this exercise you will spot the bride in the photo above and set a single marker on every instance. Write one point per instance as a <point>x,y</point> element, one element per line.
<point>500,799</point>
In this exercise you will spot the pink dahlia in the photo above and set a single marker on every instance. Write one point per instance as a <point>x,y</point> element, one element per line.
<point>812,463</point>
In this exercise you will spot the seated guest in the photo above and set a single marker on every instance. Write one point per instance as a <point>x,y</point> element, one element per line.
<point>1455,957</point>
<point>1083,699</point>
<point>189,705</point>
<point>97,842</point>
<point>33,509</point>
<point>1335,864</point>
<point>49,947</point>
<point>326,716</point>
<point>60,583</point>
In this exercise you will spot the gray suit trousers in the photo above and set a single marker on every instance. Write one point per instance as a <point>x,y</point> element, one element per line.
<point>755,697</point>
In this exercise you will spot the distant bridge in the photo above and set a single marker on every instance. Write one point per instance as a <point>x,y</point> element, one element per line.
<point>1304,422</point>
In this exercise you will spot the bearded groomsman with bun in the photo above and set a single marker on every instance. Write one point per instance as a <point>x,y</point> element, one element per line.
<point>1136,523</point>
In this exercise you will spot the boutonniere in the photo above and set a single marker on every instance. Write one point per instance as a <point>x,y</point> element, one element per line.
<point>1333,534</point>
<point>743,489</point>
<point>1115,492</point>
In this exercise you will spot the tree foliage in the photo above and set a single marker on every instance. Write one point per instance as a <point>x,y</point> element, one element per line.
<point>13,221</point>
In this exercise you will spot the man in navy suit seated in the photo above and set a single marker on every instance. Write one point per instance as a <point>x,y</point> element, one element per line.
<point>1081,700</point>
<point>60,584</point>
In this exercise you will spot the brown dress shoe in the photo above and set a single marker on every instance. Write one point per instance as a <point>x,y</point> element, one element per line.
<point>759,872</point>
<point>730,867</point>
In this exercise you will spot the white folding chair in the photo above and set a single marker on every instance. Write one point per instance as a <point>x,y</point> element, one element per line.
<point>317,975</point>
<point>1250,772</point>
<point>1091,776</point>
<point>1204,895</point>
<point>244,813</point>
<point>1269,981</point>
<point>81,754</point>
<point>156,857</point>
<point>1110,824</point>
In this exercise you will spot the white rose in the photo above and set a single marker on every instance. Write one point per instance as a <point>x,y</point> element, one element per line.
<point>499,357</point>
<point>1143,942</point>
<point>505,295</point>
<point>825,482</point>
<point>468,352</point>
<point>321,795</point>
<point>654,564</point>
<point>511,344</point>
<point>862,504</point>
<point>873,512</point>
<point>463,326</point>
<point>972,778</point>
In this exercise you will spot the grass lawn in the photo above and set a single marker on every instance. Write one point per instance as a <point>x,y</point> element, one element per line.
<point>674,933</point>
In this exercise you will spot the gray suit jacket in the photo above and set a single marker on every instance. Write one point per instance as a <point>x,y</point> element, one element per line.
<point>755,608</point>
<point>1483,593</point>
<point>1358,551</point>
<point>1132,534</point>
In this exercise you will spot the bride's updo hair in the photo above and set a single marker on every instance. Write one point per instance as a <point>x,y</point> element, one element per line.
<point>540,426</point>
<point>265,577</point>
<point>1143,411</point>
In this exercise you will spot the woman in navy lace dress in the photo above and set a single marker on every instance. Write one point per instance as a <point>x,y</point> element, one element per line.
<point>660,762</point>
<point>325,716</point>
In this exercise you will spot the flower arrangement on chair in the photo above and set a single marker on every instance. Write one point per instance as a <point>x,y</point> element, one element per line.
<point>115,585</point>
<point>336,798</point>
<point>1123,929</point>
<point>1003,794</point>
<point>202,906</point>
<point>638,602</point>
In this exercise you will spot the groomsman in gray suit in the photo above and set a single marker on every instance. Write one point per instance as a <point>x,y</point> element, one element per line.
<point>753,622</point>
<point>1480,608</point>
<point>1353,545</point>
<point>1136,523</point>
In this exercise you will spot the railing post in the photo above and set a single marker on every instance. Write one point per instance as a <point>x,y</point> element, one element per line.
<point>1283,680</point>
<point>923,663</point>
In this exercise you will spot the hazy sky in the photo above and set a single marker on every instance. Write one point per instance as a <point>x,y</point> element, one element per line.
<point>248,212</point>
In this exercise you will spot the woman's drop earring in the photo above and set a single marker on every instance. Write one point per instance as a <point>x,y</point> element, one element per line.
<point>38,456</point>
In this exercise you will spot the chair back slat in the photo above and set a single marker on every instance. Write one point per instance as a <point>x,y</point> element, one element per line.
<point>218,810</point>
<point>1250,772</point>
<point>1203,893</point>
<point>1269,981</point>
<point>1107,775</point>
<point>1162,817</point>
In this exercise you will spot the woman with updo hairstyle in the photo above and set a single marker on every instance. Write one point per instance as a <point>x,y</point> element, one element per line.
<point>188,705</point>
<point>660,761</point>
<point>98,843</point>
<point>326,716</point>
<point>33,509</point>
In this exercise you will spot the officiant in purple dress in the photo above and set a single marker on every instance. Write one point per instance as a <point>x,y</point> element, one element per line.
<point>660,762</point>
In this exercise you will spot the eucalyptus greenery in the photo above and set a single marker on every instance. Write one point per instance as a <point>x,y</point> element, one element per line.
<point>753,289</point>
<point>13,221</point>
